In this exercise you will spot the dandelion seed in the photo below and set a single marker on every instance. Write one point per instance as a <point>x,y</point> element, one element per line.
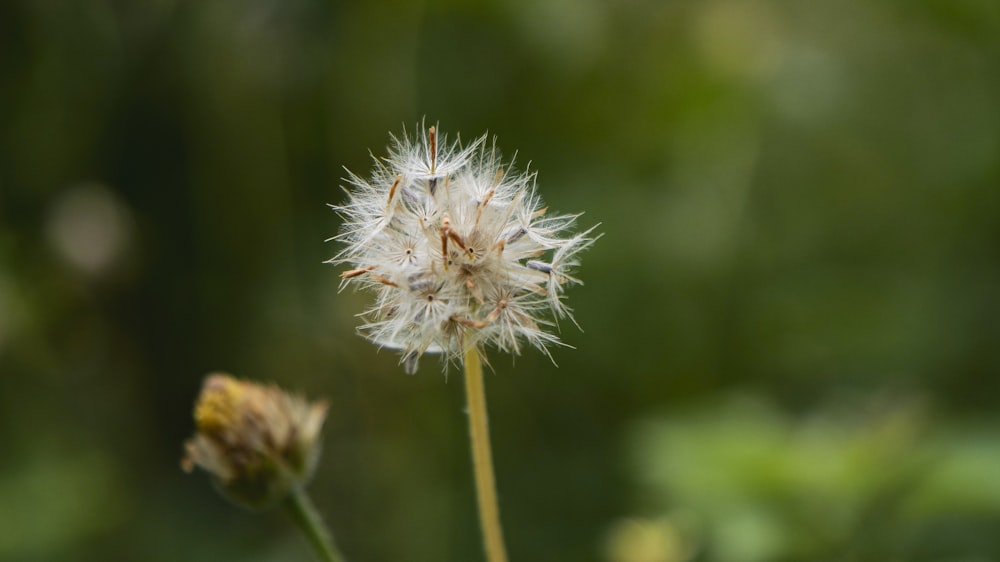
<point>459,250</point>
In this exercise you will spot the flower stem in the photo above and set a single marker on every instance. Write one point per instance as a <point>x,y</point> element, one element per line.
<point>304,513</point>
<point>482,458</point>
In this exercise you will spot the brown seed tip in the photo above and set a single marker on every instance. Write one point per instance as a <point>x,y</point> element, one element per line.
<point>432,139</point>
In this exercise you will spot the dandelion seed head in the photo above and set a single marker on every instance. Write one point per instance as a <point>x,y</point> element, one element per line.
<point>458,249</point>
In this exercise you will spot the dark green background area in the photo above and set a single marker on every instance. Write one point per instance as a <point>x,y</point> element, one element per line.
<point>791,327</point>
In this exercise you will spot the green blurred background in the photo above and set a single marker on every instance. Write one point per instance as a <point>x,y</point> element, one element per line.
<point>790,345</point>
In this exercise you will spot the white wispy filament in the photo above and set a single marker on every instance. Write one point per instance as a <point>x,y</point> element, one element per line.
<point>458,249</point>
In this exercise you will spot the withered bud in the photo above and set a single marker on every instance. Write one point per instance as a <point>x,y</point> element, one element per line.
<point>256,441</point>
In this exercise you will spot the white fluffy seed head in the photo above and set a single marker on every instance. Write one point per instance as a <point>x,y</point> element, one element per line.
<point>458,249</point>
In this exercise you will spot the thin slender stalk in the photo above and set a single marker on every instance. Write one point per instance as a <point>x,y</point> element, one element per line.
<point>482,458</point>
<point>304,513</point>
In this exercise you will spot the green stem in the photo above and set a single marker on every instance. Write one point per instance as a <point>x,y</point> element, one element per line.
<point>304,513</point>
<point>482,458</point>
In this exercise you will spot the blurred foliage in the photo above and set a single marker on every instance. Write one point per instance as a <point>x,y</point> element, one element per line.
<point>801,203</point>
<point>860,482</point>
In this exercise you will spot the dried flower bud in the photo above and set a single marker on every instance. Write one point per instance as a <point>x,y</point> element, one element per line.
<point>256,441</point>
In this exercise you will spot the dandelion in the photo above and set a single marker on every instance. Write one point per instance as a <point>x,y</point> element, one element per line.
<point>462,255</point>
<point>459,250</point>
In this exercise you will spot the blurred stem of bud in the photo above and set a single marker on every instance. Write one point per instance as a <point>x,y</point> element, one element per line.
<point>482,458</point>
<point>302,510</point>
